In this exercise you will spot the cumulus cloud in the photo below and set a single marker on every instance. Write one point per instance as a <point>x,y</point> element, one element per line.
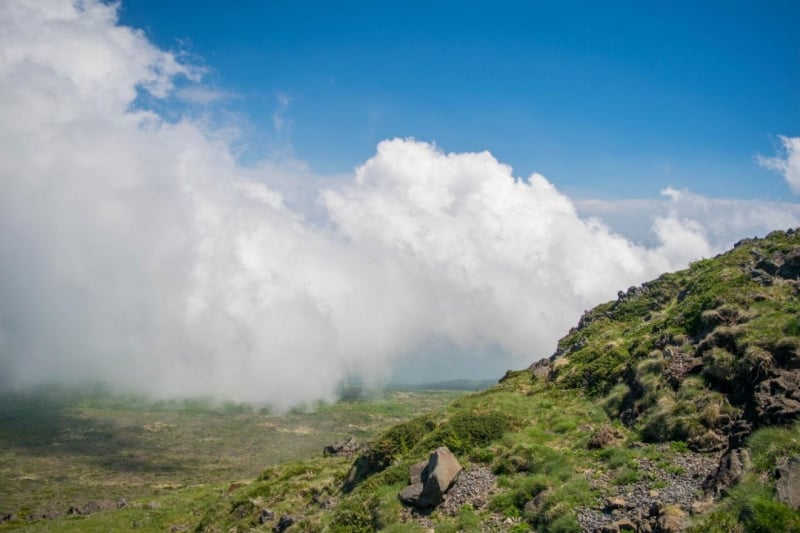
<point>722,221</point>
<point>788,164</point>
<point>138,252</point>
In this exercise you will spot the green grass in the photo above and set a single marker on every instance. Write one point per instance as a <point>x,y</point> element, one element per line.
<point>64,447</point>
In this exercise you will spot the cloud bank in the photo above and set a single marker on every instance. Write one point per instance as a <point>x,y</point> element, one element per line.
<point>137,251</point>
<point>788,165</point>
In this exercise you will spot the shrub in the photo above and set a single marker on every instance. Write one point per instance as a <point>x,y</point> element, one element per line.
<point>351,516</point>
<point>466,431</point>
<point>769,444</point>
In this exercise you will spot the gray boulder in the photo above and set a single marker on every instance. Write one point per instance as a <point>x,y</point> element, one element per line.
<point>431,480</point>
<point>787,482</point>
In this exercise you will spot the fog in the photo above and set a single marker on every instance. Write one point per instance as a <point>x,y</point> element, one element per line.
<point>137,251</point>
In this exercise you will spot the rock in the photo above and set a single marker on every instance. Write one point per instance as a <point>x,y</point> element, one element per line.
<point>411,494</point>
<point>345,448</point>
<point>777,400</point>
<point>605,437</point>
<point>731,466</point>
<point>535,505</point>
<point>122,503</point>
<point>790,269</point>
<point>673,519</point>
<point>418,473</point>
<point>443,468</point>
<point>284,523</point>
<point>8,517</point>
<point>615,502</point>
<point>624,525</point>
<point>266,515</point>
<point>439,473</point>
<point>787,482</point>
<point>540,369</point>
<point>473,486</point>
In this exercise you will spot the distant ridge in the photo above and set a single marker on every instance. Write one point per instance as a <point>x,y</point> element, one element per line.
<point>452,384</point>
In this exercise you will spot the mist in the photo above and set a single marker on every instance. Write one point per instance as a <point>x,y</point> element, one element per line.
<point>138,252</point>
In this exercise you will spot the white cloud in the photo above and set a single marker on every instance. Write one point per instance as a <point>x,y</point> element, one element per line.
<point>136,251</point>
<point>788,164</point>
<point>723,220</point>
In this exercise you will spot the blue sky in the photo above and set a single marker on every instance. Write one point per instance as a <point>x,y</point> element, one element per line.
<point>608,100</point>
<point>199,199</point>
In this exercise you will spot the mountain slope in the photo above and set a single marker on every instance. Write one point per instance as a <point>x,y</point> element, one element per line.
<point>672,407</point>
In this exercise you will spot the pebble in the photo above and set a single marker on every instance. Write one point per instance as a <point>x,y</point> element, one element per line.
<point>656,488</point>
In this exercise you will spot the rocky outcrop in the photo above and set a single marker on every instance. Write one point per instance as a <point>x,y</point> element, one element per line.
<point>431,479</point>
<point>345,448</point>
<point>787,482</point>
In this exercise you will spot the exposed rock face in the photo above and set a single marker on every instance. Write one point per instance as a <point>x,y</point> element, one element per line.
<point>431,480</point>
<point>731,466</point>
<point>787,482</point>
<point>540,369</point>
<point>346,448</point>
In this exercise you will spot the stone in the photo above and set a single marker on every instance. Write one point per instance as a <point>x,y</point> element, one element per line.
<point>624,525</point>
<point>615,502</point>
<point>540,369</point>
<point>730,468</point>
<point>418,473</point>
<point>431,480</point>
<point>410,495</point>
<point>266,515</point>
<point>787,482</point>
<point>345,448</point>
<point>443,468</point>
<point>284,523</point>
<point>536,504</point>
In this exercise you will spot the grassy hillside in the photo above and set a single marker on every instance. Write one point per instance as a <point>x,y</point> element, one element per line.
<point>89,448</point>
<point>671,408</point>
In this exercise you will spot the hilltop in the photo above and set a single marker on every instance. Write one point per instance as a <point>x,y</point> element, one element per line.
<point>672,408</point>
